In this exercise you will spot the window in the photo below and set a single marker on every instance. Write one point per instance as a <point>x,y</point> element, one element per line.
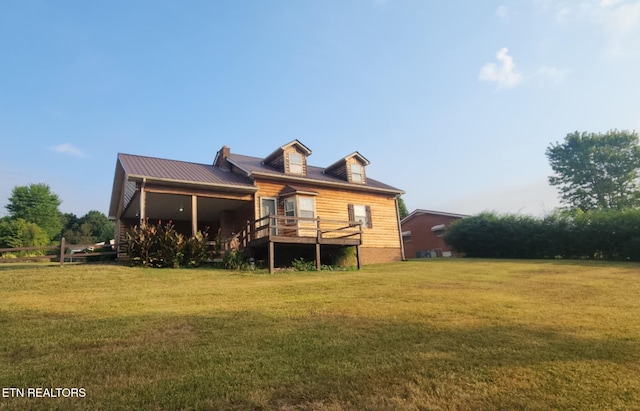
<point>295,163</point>
<point>356,173</point>
<point>306,207</point>
<point>361,214</point>
<point>290,210</point>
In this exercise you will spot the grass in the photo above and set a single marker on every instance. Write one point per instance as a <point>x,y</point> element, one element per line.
<point>419,335</point>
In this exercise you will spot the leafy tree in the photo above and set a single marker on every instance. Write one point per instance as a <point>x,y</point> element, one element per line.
<point>99,224</point>
<point>20,233</point>
<point>93,227</point>
<point>36,204</point>
<point>596,171</point>
<point>402,208</point>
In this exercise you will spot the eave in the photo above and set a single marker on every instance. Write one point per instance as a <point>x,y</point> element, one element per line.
<point>319,183</point>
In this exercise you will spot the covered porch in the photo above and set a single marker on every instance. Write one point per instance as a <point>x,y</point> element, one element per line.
<point>218,214</point>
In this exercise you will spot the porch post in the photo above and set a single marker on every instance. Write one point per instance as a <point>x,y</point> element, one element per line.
<point>143,201</point>
<point>358,255</point>
<point>194,215</point>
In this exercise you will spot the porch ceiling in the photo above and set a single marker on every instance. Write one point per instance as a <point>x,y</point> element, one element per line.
<point>178,207</point>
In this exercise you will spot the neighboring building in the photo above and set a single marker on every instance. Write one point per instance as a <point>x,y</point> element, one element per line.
<point>274,208</point>
<point>423,232</point>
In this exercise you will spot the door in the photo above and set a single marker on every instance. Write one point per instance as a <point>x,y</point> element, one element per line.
<point>269,206</point>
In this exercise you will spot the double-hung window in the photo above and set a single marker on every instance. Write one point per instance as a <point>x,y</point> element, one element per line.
<point>298,206</point>
<point>290,209</point>
<point>360,213</point>
<point>306,207</point>
<point>356,173</point>
<point>295,163</point>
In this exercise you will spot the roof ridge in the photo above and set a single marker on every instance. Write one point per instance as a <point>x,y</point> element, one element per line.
<point>166,159</point>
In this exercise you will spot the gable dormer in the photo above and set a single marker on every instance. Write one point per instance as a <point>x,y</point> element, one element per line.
<point>289,159</point>
<point>350,168</point>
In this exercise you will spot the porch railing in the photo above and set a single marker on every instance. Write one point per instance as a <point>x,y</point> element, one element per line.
<point>295,227</point>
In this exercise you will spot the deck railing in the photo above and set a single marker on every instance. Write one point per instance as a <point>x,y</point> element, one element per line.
<point>282,227</point>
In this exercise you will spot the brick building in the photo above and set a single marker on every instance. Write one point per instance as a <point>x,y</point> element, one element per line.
<point>423,232</point>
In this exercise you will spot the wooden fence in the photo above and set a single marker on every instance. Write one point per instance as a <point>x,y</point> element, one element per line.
<point>61,253</point>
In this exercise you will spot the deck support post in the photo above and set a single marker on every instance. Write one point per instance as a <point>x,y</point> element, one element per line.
<point>358,256</point>
<point>271,257</point>
<point>318,236</point>
<point>318,265</point>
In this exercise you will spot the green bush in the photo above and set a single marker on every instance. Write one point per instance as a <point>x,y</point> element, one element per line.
<point>162,246</point>
<point>15,233</point>
<point>300,264</point>
<point>344,257</point>
<point>598,234</point>
<point>235,260</point>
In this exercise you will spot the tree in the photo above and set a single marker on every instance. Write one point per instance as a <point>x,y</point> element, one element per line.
<point>36,204</point>
<point>93,227</point>
<point>402,208</point>
<point>597,171</point>
<point>20,233</point>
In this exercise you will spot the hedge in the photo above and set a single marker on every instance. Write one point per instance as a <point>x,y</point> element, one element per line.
<point>602,234</point>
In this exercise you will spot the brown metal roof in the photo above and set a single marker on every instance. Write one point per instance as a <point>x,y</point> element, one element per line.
<point>181,171</point>
<point>254,165</point>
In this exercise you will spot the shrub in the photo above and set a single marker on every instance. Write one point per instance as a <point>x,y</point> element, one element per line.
<point>235,260</point>
<point>344,257</point>
<point>162,246</point>
<point>300,264</point>
<point>195,250</point>
<point>598,234</point>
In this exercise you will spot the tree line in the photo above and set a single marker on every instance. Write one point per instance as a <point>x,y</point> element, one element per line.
<point>597,177</point>
<point>35,220</point>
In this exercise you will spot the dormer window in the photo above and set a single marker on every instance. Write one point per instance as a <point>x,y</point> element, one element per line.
<point>356,173</point>
<point>350,168</point>
<point>295,163</point>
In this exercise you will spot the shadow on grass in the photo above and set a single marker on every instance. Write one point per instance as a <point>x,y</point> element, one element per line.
<point>247,360</point>
<point>541,261</point>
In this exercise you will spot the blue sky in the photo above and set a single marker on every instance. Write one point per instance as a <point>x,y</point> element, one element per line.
<point>453,102</point>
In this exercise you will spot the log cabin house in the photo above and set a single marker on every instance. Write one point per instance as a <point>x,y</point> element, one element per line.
<point>274,208</point>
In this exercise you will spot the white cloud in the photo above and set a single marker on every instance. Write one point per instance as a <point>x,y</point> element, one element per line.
<point>609,3</point>
<point>504,73</point>
<point>502,12</point>
<point>69,149</point>
<point>617,21</point>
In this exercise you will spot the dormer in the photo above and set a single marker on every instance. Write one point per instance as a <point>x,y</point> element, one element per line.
<point>289,159</point>
<point>350,168</point>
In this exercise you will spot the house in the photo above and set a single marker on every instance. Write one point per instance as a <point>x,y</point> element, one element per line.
<point>423,232</point>
<point>274,208</point>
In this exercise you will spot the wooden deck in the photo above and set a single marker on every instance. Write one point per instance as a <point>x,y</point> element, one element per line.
<point>272,229</point>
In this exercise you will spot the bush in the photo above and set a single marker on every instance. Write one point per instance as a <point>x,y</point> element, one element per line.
<point>235,260</point>
<point>15,233</point>
<point>600,234</point>
<point>162,246</point>
<point>300,264</point>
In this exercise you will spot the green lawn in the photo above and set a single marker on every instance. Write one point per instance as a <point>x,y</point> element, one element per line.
<point>420,335</point>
